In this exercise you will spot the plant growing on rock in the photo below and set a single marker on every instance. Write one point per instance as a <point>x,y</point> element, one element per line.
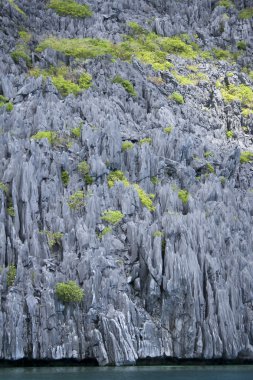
<point>84,169</point>
<point>246,157</point>
<point>65,178</point>
<point>112,216</point>
<point>117,176</point>
<point>68,292</point>
<point>54,238</point>
<point>177,97</point>
<point>246,13</point>
<point>127,145</point>
<point>183,195</point>
<point>11,275</point>
<point>76,200</point>
<point>126,84</point>
<point>4,187</point>
<point>146,199</point>
<point>146,140</point>
<point>70,8</point>
<point>49,135</point>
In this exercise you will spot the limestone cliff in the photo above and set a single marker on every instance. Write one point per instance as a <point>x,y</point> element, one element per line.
<point>160,133</point>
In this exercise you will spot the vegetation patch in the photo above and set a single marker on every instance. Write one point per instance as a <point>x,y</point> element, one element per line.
<point>241,45</point>
<point>146,199</point>
<point>69,292</point>
<point>146,140</point>
<point>246,157</point>
<point>65,80</point>
<point>168,130</point>
<point>49,135</point>
<point>54,238</point>
<point>11,275</point>
<point>226,3</point>
<point>4,188</point>
<point>127,145</point>
<point>106,231</point>
<point>126,84</point>
<point>183,195</point>
<point>246,13</point>
<point>65,178</point>
<point>177,97</point>
<point>241,93</point>
<point>112,217</point>
<point>117,176</point>
<point>70,8</point>
<point>16,7</point>
<point>76,132</point>
<point>230,134</point>
<point>4,102</point>
<point>76,200</point>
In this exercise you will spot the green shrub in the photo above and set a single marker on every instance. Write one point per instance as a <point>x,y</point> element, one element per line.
<point>146,199</point>
<point>69,292</point>
<point>246,13</point>
<point>127,145</point>
<point>177,97</point>
<point>223,54</point>
<point>158,234</point>
<point>136,29</point>
<point>20,52</point>
<point>226,3</point>
<point>241,45</point>
<point>184,80</point>
<point>83,168</point>
<point>70,8</point>
<point>117,176</point>
<point>241,93</point>
<point>76,200</point>
<point>208,154</point>
<point>54,238</point>
<point>49,135</point>
<point>25,36</point>
<point>85,81</point>
<point>64,79</point>
<point>183,195</point>
<point>77,131</point>
<point>230,134</point>
<point>10,209</point>
<point>4,188</point>
<point>210,168</point>
<point>168,130</point>
<point>11,275</point>
<point>126,84</point>
<point>246,157</point>
<point>146,140</point>
<point>65,178</point>
<point>154,181</point>
<point>106,231</point>
<point>112,217</point>
<point>12,3</point>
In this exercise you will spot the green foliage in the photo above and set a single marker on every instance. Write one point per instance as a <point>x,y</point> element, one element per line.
<point>10,209</point>
<point>51,136</point>
<point>146,140</point>
<point>9,107</point>
<point>155,181</point>
<point>21,52</point>
<point>148,48</point>
<point>222,180</point>
<point>25,36</point>
<point>126,84</point>
<point>136,29</point>
<point>208,154</point>
<point>117,176</point>
<point>177,97</point>
<point>158,234</point>
<point>70,8</point>
<point>246,13</point>
<point>168,130</point>
<point>85,81</point>
<point>83,168</point>
<point>12,3</point>
<point>210,168</point>
<point>224,54</point>
<point>241,93</point>
<point>69,292</point>
<point>77,131</point>
<point>226,3</point>
<point>65,80</point>
<point>146,199</point>
<point>230,134</point>
<point>127,145</point>
<point>65,178</point>
<point>246,157</point>
<point>241,45</point>
<point>183,195</point>
<point>4,188</point>
<point>76,200</point>
<point>184,80</point>
<point>4,102</point>
<point>106,231</point>
<point>54,238</point>
<point>11,275</point>
<point>112,217</point>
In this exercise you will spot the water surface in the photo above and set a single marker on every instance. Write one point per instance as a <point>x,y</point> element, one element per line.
<point>130,373</point>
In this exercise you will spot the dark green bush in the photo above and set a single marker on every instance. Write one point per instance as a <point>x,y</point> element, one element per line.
<point>70,8</point>
<point>69,292</point>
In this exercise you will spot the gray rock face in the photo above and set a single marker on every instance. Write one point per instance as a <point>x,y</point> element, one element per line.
<point>173,282</point>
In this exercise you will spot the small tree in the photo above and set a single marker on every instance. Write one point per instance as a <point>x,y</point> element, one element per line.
<point>69,292</point>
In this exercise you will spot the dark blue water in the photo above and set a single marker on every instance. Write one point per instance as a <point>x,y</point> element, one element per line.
<point>130,373</point>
